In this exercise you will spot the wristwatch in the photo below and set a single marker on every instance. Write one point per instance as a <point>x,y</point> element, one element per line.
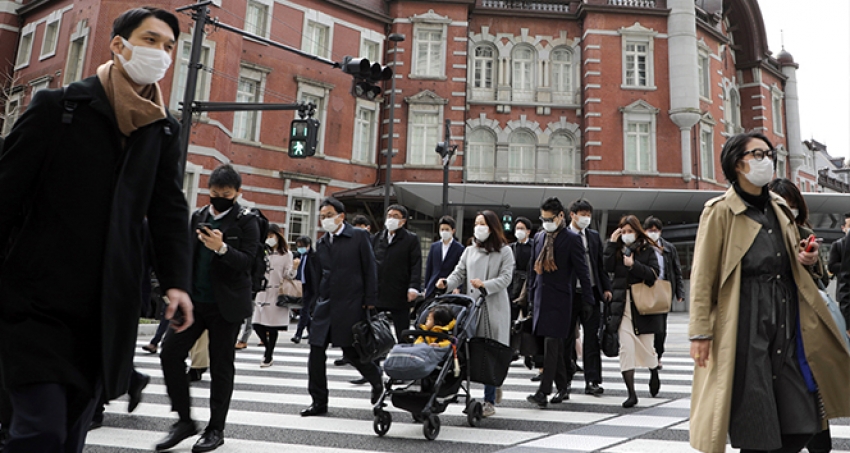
<point>222,250</point>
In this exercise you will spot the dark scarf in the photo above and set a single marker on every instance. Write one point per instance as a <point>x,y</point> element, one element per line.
<point>546,261</point>
<point>758,201</point>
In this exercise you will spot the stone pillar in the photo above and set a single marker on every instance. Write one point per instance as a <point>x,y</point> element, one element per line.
<point>683,74</point>
<point>796,156</point>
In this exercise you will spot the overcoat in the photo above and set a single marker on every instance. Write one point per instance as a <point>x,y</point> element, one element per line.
<point>348,283</point>
<point>551,293</point>
<point>437,267</point>
<point>644,269</point>
<point>399,267</point>
<point>266,311</point>
<point>74,200</point>
<point>495,269</point>
<point>724,236</point>
<point>597,266</point>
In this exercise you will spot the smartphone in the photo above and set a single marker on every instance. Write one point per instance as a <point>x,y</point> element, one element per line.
<point>203,226</point>
<point>810,242</point>
<point>627,251</point>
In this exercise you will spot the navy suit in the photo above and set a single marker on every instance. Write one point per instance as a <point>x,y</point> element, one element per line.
<point>437,267</point>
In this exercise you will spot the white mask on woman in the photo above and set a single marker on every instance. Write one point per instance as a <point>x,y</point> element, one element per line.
<point>521,235</point>
<point>271,242</point>
<point>628,238</point>
<point>761,172</point>
<point>482,232</point>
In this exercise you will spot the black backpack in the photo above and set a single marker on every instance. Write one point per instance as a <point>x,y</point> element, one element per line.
<point>261,260</point>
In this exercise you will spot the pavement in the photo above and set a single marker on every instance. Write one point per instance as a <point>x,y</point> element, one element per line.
<point>264,414</point>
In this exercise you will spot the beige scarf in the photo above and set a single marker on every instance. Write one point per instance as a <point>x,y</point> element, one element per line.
<point>546,261</point>
<point>132,110</point>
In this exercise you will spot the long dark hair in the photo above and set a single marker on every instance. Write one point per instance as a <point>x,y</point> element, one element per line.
<point>787,190</point>
<point>497,237</point>
<point>641,239</point>
<point>282,247</point>
<point>733,152</point>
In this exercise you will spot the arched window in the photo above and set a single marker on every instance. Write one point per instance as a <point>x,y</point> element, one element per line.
<point>733,112</point>
<point>564,160</point>
<point>523,74</point>
<point>481,156</point>
<point>562,75</point>
<point>521,153</point>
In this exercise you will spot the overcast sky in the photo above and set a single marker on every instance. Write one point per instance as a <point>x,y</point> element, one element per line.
<point>817,34</point>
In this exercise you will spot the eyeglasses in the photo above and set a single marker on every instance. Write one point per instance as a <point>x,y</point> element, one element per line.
<point>547,219</point>
<point>760,154</point>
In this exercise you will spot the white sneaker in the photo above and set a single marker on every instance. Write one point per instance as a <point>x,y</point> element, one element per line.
<point>265,364</point>
<point>488,410</point>
<point>498,395</point>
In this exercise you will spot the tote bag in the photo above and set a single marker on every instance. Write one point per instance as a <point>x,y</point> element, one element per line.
<point>489,360</point>
<point>653,300</point>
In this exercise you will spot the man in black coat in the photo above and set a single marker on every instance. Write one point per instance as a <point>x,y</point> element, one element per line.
<point>443,255</point>
<point>589,315</point>
<point>80,171</point>
<point>836,251</point>
<point>670,271</point>
<point>228,240</point>
<point>348,286</point>
<point>399,259</point>
<point>309,273</point>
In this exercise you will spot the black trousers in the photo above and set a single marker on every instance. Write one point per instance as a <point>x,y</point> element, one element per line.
<point>821,442</point>
<point>590,317</point>
<point>661,337</point>
<point>268,335</point>
<point>401,320</point>
<point>317,375</point>
<point>554,365</point>
<point>49,418</point>
<point>791,443</point>
<point>175,349</point>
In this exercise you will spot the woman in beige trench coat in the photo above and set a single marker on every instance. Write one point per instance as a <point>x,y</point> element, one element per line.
<point>736,232</point>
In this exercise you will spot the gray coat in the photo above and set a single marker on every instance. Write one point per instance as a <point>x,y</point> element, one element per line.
<point>496,271</point>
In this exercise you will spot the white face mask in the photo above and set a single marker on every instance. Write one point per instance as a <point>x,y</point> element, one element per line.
<point>391,224</point>
<point>654,235</point>
<point>583,222</point>
<point>521,235</point>
<point>795,212</point>
<point>271,242</point>
<point>330,225</point>
<point>628,239</point>
<point>446,236</point>
<point>550,227</point>
<point>482,232</point>
<point>761,172</point>
<point>146,65</point>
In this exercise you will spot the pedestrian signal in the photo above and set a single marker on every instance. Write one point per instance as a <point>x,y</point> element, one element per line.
<point>303,136</point>
<point>507,220</point>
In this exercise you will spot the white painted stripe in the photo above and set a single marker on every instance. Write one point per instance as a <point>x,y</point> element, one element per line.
<point>574,442</point>
<point>657,446</point>
<point>646,421</point>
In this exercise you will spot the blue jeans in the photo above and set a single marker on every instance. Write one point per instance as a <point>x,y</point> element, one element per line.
<point>490,394</point>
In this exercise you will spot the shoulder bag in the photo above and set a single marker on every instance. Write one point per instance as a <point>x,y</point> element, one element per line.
<point>373,337</point>
<point>289,293</point>
<point>489,360</point>
<point>653,300</point>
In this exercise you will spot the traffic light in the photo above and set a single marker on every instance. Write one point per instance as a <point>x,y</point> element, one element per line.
<point>367,76</point>
<point>507,220</point>
<point>443,149</point>
<point>302,140</point>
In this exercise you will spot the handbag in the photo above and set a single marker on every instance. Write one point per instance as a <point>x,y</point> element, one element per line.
<point>488,359</point>
<point>653,300</point>
<point>289,293</point>
<point>610,342</point>
<point>373,337</point>
<point>523,338</point>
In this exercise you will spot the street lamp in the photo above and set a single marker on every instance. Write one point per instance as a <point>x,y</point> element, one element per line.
<point>395,38</point>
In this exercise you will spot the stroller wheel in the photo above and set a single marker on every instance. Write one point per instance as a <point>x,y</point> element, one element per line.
<point>431,427</point>
<point>382,423</point>
<point>474,413</point>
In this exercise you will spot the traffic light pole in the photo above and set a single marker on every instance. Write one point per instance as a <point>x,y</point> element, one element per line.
<point>446,162</point>
<point>200,14</point>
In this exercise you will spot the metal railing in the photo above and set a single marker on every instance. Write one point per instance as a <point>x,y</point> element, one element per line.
<point>543,7</point>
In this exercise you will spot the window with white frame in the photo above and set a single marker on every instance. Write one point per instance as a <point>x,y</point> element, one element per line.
<point>257,18</point>
<point>564,159</point>
<point>13,111</point>
<point>562,74</point>
<point>25,46</point>
<point>191,184</point>
<point>317,39</point>
<point>638,149</point>
<point>636,64</point>
<point>301,218</point>
<point>423,134</point>
<point>704,62</point>
<point>638,47</point>
<point>181,73</point>
<point>781,159</point>
<point>706,152</point>
<point>364,133</point>
<point>481,156</point>
<point>39,84</point>
<point>246,124</point>
<point>523,73</point>
<point>522,148</point>
<point>483,68</point>
<point>370,50</point>
<point>732,112</point>
<point>777,112</point>
<point>76,54</point>
<point>51,35</point>
<point>428,46</point>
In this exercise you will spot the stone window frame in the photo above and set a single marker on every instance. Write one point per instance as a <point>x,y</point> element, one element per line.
<point>312,212</point>
<point>638,34</point>
<point>259,75</point>
<point>641,112</point>
<point>429,21</point>
<point>10,116</point>
<point>707,126</point>
<point>81,36</point>
<point>471,150</point>
<point>568,96</point>
<point>565,178</point>
<point>373,107</point>
<point>53,20</point>
<point>732,111</point>
<point>25,45</point>
<point>781,161</point>
<point>485,94</point>
<point>371,37</point>
<point>424,102</point>
<point>192,184</point>
<point>777,116</point>
<point>534,154</point>
<point>704,63</point>
<point>204,82</point>
<point>269,11</point>
<point>533,77</point>
<point>316,17</point>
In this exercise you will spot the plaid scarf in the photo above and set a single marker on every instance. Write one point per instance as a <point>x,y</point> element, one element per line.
<point>546,261</point>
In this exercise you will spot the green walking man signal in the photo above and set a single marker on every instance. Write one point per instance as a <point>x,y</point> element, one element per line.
<point>303,137</point>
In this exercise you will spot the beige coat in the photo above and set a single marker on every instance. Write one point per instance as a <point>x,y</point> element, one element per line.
<point>266,312</point>
<point>724,236</point>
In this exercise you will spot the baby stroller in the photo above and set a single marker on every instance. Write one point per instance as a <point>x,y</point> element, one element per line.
<point>424,380</point>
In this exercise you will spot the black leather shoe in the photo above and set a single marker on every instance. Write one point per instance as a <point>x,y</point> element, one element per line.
<point>212,439</point>
<point>539,399</point>
<point>179,432</point>
<point>341,362</point>
<point>138,382</point>
<point>314,410</point>
<point>537,378</point>
<point>296,339</point>
<point>593,389</point>
<point>561,396</point>
<point>195,374</point>
<point>360,381</point>
<point>654,382</point>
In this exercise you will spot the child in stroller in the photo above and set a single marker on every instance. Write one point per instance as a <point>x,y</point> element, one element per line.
<point>440,319</point>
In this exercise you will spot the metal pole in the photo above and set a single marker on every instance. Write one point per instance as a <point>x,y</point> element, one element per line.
<point>395,38</point>
<point>200,13</point>
<point>446,160</point>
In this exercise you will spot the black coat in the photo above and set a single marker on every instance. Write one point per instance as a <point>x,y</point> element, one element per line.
<point>231,272</point>
<point>644,269</point>
<point>436,267</point>
<point>74,200</point>
<point>348,284</point>
<point>399,267</point>
<point>600,275</point>
<point>551,293</point>
<point>673,269</point>
<point>312,275</point>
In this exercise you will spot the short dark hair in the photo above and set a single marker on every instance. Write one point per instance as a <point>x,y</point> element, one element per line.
<point>581,205</point>
<point>304,240</point>
<point>733,152</point>
<point>523,221</point>
<point>361,219</point>
<point>334,203</point>
<point>443,315</point>
<point>652,221</point>
<point>399,208</point>
<point>447,220</point>
<point>225,176</point>
<point>497,237</point>
<point>125,24</point>
<point>553,205</point>
<point>789,191</point>
<point>282,247</point>
<point>847,215</point>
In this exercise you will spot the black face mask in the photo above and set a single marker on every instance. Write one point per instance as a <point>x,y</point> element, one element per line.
<point>222,204</point>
